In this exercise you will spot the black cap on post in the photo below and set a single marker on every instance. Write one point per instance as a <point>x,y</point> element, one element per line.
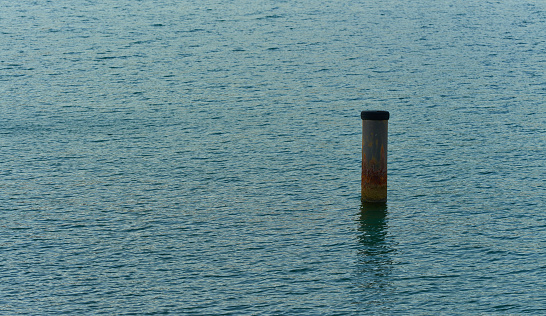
<point>375,115</point>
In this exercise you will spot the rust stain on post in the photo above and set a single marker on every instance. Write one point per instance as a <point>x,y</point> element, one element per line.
<point>374,155</point>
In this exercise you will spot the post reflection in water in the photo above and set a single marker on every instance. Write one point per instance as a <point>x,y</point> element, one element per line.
<point>374,248</point>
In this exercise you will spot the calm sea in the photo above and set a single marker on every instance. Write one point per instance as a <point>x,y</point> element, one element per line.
<point>203,157</point>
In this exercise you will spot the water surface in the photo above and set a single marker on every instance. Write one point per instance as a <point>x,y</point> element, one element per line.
<point>166,157</point>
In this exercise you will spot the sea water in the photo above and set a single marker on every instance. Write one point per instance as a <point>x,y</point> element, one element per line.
<point>203,158</point>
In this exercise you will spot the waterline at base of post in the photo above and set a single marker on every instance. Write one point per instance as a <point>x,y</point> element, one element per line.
<point>372,200</point>
<point>373,192</point>
<point>377,208</point>
<point>382,202</point>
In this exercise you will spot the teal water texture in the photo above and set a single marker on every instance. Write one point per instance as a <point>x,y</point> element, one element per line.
<point>203,158</point>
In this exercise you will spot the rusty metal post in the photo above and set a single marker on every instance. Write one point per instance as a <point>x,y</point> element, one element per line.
<point>374,155</point>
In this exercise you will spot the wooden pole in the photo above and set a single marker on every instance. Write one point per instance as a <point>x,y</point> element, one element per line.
<point>374,156</point>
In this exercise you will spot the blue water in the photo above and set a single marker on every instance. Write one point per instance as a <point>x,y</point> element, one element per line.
<point>174,157</point>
